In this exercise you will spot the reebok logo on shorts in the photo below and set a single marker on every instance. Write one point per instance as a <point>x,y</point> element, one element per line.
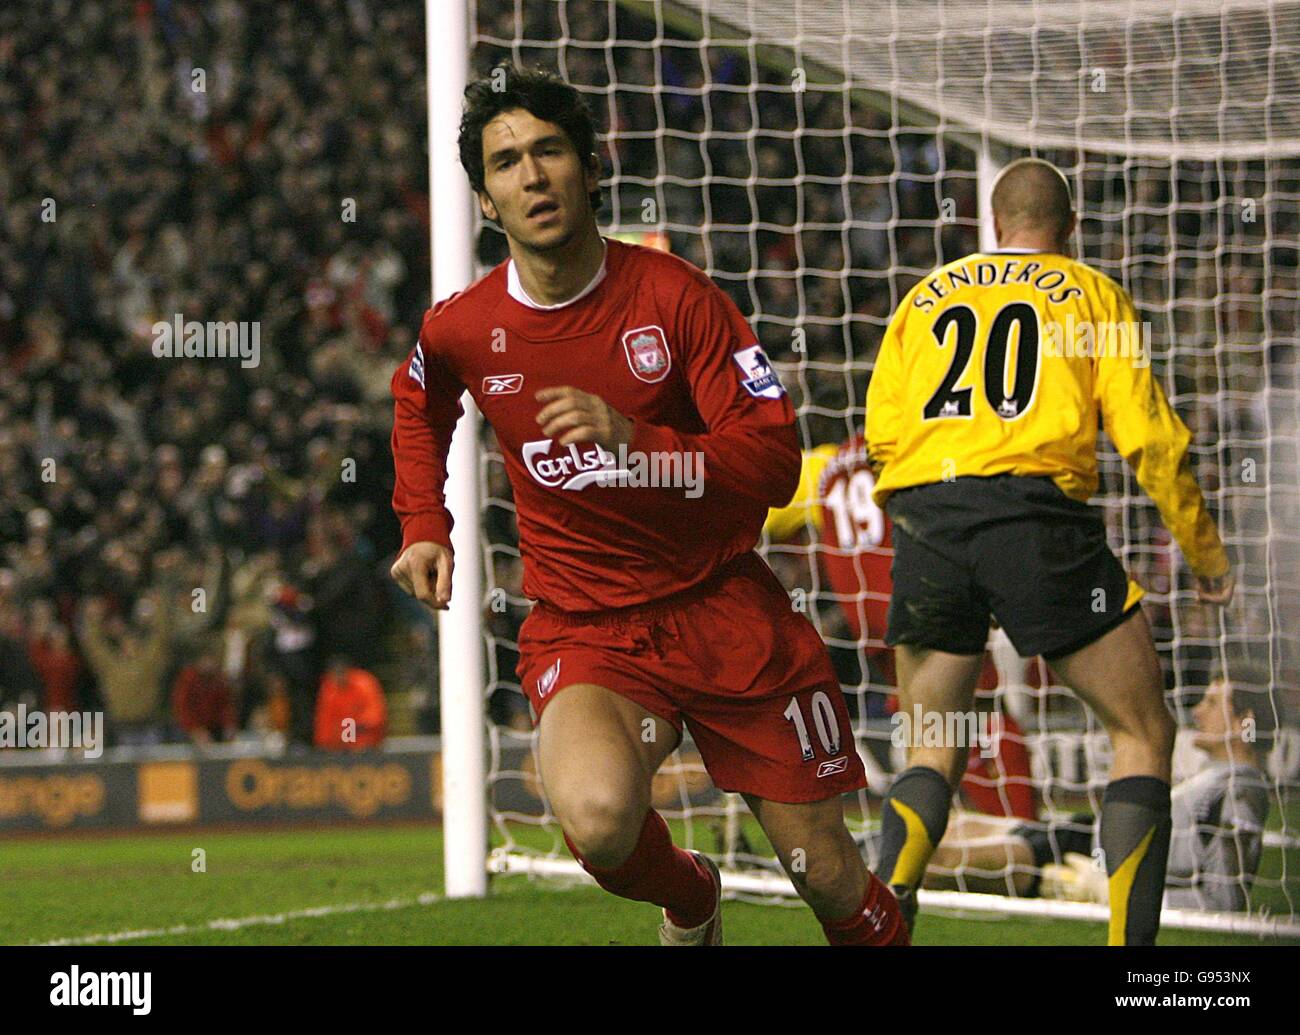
<point>835,765</point>
<point>546,681</point>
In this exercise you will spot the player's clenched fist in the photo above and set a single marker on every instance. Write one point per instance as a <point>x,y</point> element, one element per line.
<point>424,571</point>
<point>572,415</point>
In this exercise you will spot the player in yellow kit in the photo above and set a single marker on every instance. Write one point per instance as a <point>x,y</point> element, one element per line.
<point>982,418</point>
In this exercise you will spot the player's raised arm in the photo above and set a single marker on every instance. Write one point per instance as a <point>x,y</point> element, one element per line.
<point>1152,438</point>
<point>784,523</point>
<point>426,408</point>
<point>751,447</point>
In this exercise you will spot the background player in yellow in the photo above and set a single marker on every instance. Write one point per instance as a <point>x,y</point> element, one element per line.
<point>982,418</point>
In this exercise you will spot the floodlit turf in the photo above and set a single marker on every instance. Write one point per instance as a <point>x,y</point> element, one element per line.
<point>79,886</point>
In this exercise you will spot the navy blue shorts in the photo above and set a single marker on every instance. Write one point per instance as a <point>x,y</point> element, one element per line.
<point>1013,548</point>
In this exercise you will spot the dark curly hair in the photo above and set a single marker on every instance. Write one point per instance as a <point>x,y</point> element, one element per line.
<point>542,94</point>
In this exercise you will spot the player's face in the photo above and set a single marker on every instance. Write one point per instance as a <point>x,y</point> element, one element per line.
<point>1213,716</point>
<point>537,186</point>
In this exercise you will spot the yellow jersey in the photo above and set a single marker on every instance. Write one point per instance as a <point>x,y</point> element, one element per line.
<point>1007,363</point>
<point>786,522</point>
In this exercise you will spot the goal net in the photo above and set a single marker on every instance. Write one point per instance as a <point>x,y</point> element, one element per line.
<point>816,159</point>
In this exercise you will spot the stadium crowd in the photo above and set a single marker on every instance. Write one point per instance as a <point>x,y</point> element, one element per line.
<point>190,543</point>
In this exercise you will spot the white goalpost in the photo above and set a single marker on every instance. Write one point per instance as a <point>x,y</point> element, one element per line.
<point>460,628</point>
<point>816,157</point>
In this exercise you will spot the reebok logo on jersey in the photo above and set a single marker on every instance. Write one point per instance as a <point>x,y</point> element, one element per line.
<point>416,368</point>
<point>835,765</point>
<point>503,384</point>
<point>546,681</point>
<point>760,379</point>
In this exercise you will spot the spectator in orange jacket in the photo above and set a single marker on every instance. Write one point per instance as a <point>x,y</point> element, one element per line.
<point>350,709</point>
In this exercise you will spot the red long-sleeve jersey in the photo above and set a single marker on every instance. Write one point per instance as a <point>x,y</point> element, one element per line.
<point>659,342</point>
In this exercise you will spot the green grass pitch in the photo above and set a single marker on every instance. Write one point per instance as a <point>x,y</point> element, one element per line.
<point>381,886</point>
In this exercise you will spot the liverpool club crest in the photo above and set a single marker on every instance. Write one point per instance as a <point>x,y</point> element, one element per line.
<point>647,353</point>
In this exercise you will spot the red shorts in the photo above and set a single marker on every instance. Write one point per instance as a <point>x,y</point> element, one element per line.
<point>749,676</point>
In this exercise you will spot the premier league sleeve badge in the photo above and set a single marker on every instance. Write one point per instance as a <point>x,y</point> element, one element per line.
<point>758,377</point>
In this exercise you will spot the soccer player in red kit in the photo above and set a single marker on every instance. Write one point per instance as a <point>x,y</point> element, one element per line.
<point>596,362</point>
<point>856,548</point>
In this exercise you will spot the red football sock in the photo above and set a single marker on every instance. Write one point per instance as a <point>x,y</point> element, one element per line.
<point>877,921</point>
<point>658,871</point>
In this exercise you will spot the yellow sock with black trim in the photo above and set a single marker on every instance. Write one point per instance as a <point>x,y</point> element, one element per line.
<point>913,820</point>
<point>1135,829</point>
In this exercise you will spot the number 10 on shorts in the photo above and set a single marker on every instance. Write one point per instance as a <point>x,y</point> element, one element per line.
<point>828,727</point>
